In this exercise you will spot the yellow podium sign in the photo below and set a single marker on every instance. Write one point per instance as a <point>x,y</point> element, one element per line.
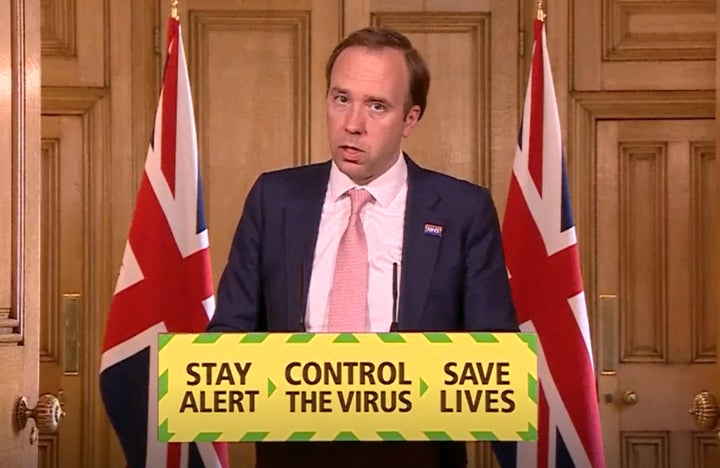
<point>363,386</point>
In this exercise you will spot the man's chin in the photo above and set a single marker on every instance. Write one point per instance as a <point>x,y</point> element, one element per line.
<point>354,170</point>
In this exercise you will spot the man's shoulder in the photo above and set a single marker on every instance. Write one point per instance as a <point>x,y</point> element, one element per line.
<point>294,180</point>
<point>449,185</point>
<point>308,182</point>
<point>308,171</point>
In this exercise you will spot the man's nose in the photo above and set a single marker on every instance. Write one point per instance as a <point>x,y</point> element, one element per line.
<point>355,120</point>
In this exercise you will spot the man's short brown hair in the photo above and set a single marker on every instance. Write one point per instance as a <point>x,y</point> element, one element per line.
<point>375,38</point>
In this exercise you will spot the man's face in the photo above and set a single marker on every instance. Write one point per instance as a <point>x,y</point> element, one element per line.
<point>365,111</point>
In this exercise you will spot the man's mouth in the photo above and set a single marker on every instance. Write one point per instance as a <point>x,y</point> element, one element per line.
<point>350,152</point>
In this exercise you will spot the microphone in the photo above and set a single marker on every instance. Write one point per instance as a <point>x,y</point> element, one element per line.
<point>301,295</point>
<point>394,324</point>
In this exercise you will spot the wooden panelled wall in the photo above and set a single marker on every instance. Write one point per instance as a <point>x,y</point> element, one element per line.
<point>635,84</point>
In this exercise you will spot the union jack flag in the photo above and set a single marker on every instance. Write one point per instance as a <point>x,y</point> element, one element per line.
<point>165,280</point>
<point>543,264</point>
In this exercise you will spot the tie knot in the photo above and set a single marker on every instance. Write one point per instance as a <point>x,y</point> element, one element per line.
<point>358,199</point>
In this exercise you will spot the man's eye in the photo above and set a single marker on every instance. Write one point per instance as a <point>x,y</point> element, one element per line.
<point>377,106</point>
<point>342,99</point>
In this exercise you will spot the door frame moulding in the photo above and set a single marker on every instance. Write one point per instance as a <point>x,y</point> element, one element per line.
<point>93,106</point>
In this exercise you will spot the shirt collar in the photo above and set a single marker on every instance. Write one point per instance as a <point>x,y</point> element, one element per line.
<point>383,189</point>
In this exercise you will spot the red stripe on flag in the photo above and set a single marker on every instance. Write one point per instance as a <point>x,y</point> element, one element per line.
<point>537,89</point>
<point>169,106</point>
<point>222,453</point>
<point>173,455</point>
<point>543,429</point>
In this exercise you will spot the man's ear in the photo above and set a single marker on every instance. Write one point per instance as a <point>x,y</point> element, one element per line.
<point>411,119</point>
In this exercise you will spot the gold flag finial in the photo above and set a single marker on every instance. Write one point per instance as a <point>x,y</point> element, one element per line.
<point>174,9</point>
<point>540,13</point>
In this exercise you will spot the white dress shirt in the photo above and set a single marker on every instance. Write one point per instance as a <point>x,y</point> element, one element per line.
<point>383,220</point>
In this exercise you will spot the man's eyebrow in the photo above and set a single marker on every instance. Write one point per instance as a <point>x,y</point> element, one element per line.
<point>377,99</point>
<point>384,101</point>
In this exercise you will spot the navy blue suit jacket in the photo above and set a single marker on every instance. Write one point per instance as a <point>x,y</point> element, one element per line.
<point>455,281</point>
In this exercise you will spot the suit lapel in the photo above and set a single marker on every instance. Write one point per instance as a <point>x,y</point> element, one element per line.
<point>302,220</point>
<point>420,247</point>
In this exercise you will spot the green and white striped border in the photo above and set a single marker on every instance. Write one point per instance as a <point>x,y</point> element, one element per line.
<point>164,435</point>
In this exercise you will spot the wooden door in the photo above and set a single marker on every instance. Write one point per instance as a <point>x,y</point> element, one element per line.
<point>656,203</point>
<point>19,224</point>
<point>73,287</point>
<point>642,143</point>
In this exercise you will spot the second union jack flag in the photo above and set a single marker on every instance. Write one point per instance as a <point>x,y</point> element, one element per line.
<point>543,263</point>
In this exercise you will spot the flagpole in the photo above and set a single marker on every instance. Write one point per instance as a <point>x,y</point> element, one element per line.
<point>540,13</point>
<point>174,10</point>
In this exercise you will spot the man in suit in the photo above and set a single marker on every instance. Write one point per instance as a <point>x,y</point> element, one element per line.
<point>320,248</point>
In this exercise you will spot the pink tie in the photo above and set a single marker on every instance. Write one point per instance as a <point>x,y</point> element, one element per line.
<point>348,296</point>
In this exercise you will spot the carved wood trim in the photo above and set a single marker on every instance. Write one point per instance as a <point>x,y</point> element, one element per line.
<point>7,325</point>
<point>59,30</point>
<point>585,109</point>
<point>92,104</point>
<point>621,43</point>
<point>703,207</point>
<point>24,121</point>
<point>48,451</point>
<point>704,449</point>
<point>50,249</point>
<point>656,442</point>
<point>647,161</point>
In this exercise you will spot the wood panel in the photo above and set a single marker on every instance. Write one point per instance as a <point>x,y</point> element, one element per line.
<point>706,450</point>
<point>75,43</point>
<point>642,450</point>
<point>644,45</point>
<point>665,31</point>
<point>50,332</point>
<point>48,451</point>
<point>703,301</point>
<point>269,125</point>
<point>20,213</point>
<point>642,193</point>
<point>58,28</point>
